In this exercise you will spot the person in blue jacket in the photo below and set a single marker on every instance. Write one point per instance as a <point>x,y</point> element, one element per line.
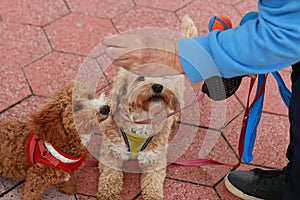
<point>265,44</point>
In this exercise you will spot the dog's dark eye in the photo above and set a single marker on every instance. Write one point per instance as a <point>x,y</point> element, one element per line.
<point>90,97</point>
<point>141,78</point>
<point>77,108</point>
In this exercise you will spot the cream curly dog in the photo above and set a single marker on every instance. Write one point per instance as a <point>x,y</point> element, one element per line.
<point>137,129</point>
<point>45,149</point>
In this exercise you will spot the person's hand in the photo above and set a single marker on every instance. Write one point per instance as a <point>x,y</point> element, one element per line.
<point>143,54</point>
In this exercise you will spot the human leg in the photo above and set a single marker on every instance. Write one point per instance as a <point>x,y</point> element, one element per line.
<point>275,184</point>
<point>292,189</point>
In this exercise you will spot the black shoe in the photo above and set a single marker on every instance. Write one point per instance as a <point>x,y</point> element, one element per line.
<point>256,184</point>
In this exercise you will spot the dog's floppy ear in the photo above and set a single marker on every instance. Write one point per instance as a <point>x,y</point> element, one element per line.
<point>47,122</point>
<point>119,89</point>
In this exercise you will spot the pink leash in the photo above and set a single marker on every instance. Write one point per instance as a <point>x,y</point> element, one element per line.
<point>199,97</point>
<point>201,162</point>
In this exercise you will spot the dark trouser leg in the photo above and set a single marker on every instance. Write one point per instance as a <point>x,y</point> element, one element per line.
<point>292,190</point>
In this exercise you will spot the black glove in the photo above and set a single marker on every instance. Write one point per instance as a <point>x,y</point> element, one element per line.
<point>218,88</point>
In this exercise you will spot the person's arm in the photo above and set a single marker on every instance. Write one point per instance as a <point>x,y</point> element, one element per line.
<point>268,43</point>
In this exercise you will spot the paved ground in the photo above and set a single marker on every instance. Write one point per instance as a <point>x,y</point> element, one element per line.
<point>43,44</point>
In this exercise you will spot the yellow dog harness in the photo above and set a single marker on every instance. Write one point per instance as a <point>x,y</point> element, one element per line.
<point>135,143</point>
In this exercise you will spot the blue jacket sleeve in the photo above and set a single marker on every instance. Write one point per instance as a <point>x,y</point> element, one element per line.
<point>266,44</point>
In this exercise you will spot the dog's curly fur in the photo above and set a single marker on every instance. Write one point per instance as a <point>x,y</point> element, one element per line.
<point>55,123</point>
<point>133,96</point>
<point>137,98</point>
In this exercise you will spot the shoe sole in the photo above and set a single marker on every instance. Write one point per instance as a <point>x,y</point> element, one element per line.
<point>235,191</point>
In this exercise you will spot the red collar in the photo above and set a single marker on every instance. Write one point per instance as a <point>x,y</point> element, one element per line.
<point>38,151</point>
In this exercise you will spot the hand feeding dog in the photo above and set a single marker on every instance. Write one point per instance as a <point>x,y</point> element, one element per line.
<point>47,148</point>
<point>138,128</point>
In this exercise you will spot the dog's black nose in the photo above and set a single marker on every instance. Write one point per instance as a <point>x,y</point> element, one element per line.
<point>104,110</point>
<point>157,88</point>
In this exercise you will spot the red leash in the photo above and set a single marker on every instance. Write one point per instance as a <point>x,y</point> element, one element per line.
<point>201,162</point>
<point>223,23</point>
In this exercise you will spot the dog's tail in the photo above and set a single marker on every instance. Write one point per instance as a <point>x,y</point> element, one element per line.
<point>188,28</point>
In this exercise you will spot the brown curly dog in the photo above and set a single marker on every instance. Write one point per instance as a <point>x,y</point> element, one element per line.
<point>47,148</point>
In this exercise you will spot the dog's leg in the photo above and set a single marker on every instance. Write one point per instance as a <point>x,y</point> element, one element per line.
<point>152,184</point>
<point>39,177</point>
<point>153,163</point>
<point>69,186</point>
<point>110,184</point>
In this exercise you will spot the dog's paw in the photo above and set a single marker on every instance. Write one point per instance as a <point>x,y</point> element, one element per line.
<point>151,195</point>
<point>69,188</point>
<point>146,158</point>
<point>121,152</point>
<point>153,160</point>
<point>107,196</point>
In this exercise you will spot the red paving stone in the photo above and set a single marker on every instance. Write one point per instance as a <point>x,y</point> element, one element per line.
<point>276,105</point>
<point>214,148</point>
<point>82,35</point>
<point>180,190</point>
<point>13,86</point>
<point>34,12</point>
<point>272,134</point>
<point>6,184</point>
<point>53,72</point>
<point>170,5</point>
<point>142,17</point>
<point>46,44</point>
<point>274,138</point>
<point>223,193</point>
<point>104,8</point>
<point>273,102</point>
<point>220,112</point>
<point>21,110</point>
<point>246,6</point>
<point>21,44</point>
<point>86,185</point>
